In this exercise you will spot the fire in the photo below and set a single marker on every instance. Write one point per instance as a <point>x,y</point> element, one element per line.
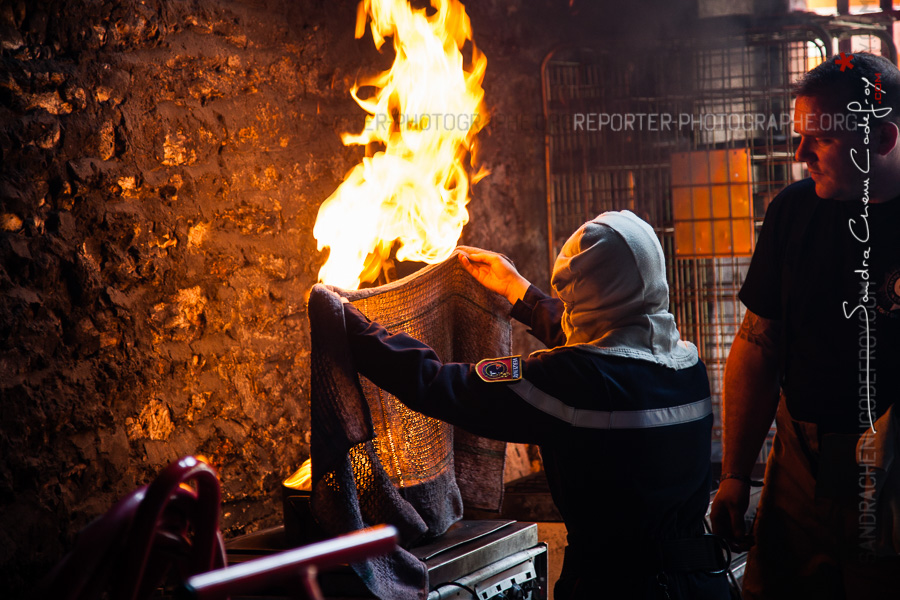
<point>423,116</point>
<point>302,478</point>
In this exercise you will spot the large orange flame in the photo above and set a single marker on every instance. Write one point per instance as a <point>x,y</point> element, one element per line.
<point>424,113</point>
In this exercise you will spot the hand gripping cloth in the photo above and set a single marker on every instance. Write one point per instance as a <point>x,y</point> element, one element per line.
<point>376,461</point>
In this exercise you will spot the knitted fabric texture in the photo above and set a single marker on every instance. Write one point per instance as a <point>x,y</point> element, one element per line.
<point>376,461</point>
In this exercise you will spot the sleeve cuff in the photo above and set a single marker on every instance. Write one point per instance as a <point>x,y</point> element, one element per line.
<point>521,312</point>
<point>354,320</point>
<point>522,309</point>
<point>534,295</point>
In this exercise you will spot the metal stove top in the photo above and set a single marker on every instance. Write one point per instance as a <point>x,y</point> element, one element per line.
<point>467,547</point>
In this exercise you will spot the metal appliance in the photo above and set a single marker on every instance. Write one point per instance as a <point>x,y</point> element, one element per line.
<point>483,560</point>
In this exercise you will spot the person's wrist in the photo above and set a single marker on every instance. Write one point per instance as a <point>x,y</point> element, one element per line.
<point>517,289</point>
<point>744,479</point>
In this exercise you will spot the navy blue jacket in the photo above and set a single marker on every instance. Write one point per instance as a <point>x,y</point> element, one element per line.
<point>618,490</point>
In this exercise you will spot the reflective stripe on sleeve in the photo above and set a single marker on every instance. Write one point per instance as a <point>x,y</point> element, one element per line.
<point>619,419</point>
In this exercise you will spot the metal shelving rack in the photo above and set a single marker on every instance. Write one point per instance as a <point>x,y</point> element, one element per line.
<point>591,167</point>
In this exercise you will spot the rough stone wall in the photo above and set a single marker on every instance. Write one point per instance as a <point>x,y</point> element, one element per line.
<point>162,165</point>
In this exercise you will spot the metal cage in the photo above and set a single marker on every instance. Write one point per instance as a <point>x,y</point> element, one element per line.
<point>696,96</point>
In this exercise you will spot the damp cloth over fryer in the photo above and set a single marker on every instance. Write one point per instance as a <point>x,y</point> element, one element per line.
<point>376,461</point>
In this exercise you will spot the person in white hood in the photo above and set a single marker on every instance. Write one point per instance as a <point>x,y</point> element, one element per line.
<point>611,277</point>
<point>619,405</point>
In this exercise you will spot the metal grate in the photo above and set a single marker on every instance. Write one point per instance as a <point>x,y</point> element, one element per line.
<point>711,199</point>
<point>737,90</point>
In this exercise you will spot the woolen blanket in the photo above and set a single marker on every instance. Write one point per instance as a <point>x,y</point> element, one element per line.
<point>376,461</point>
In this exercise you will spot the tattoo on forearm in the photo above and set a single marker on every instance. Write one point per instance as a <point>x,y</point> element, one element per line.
<point>760,332</point>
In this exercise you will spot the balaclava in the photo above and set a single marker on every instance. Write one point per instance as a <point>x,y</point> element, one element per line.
<point>611,276</point>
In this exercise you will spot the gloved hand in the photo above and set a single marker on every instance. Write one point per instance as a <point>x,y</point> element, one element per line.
<point>327,296</point>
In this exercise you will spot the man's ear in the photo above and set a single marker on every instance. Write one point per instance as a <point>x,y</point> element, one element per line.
<point>888,137</point>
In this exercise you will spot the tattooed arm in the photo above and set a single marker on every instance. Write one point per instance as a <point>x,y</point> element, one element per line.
<point>750,398</point>
<point>751,391</point>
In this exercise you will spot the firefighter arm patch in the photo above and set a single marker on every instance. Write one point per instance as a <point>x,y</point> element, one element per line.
<point>506,368</point>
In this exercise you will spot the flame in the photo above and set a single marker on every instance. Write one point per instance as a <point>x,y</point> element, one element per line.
<point>302,478</point>
<point>424,113</point>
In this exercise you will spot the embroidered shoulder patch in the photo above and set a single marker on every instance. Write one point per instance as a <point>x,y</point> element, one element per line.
<point>506,368</point>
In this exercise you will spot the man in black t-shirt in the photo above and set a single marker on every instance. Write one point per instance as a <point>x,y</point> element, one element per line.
<point>822,334</point>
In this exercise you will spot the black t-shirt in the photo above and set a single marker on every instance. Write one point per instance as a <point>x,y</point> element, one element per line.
<point>811,270</point>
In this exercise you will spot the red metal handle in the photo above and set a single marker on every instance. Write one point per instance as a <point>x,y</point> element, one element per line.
<point>295,567</point>
<point>205,522</point>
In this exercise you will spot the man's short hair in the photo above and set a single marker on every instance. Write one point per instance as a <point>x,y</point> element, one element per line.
<point>835,88</point>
